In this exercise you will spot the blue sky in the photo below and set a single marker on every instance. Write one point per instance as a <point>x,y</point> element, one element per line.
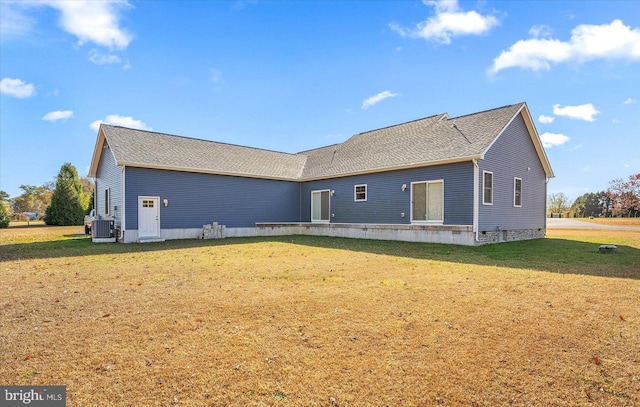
<point>295,75</point>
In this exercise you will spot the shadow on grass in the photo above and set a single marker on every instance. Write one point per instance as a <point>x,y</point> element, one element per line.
<point>550,254</point>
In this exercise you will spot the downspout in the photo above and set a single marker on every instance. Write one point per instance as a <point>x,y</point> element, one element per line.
<point>476,198</point>
<point>546,183</point>
<point>122,212</point>
<point>95,194</point>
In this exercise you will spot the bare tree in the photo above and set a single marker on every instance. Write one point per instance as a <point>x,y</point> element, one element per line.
<point>558,202</point>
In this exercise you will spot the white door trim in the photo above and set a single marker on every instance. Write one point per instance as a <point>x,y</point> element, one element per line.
<point>152,226</point>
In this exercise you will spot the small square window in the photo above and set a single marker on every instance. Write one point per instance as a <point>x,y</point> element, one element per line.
<point>360,193</point>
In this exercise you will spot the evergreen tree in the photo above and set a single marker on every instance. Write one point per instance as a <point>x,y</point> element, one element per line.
<point>4,215</point>
<point>68,202</point>
<point>590,204</point>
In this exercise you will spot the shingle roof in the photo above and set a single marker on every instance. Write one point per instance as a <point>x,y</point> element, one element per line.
<point>432,140</point>
<point>141,148</point>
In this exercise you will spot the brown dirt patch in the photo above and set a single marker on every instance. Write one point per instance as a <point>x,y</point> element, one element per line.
<point>633,222</point>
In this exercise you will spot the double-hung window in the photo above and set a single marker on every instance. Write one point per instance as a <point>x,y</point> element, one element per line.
<point>487,188</point>
<point>427,201</point>
<point>360,193</point>
<point>517,192</point>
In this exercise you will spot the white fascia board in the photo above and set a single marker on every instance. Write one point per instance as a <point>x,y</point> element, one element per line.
<point>535,138</point>
<point>97,153</point>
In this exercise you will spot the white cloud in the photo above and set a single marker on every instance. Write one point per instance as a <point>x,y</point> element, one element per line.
<point>94,21</point>
<point>124,121</point>
<point>582,112</point>
<point>546,119</point>
<point>377,98</point>
<point>587,42</point>
<point>449,21</point>
<point>17,88</point>
<point>58,115</point>
<point>553,139</point>
<point>629,101</point>
<point>13,20</point>
<point>538,31</point>
<point>102,59</point>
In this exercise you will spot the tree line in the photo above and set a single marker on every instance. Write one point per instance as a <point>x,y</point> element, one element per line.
<point>62,202</point>
<point>621,199</point>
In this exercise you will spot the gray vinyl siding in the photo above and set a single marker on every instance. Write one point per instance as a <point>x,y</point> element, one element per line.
<point>513,155</point>
<point>385,199</point>
<point>197,199</point>
<point>109,176</point>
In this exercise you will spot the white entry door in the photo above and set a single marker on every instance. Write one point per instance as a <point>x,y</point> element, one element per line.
<point>148,216</point>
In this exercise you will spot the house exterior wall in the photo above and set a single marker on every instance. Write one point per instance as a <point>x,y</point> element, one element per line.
<point>385,199</point>
<point>513,155</point>
<point>240,203</point>
<point>196,199</point>
<point>109,176</point>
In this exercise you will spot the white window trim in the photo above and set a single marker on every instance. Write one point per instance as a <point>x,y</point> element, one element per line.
<point>492,187</point>
<point>430,222</point>
<point>320,220</point>
<point>107,201</point>
<point>515,179</point>
<point>355,193</point>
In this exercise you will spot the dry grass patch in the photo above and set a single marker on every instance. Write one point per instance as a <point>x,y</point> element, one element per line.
<point>633,222</point>
<point>320,321</point>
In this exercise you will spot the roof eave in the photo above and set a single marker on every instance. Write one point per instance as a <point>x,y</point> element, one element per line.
<point>97,153</point>
<point>535,138</point>
<point>205,171</point>
<point>537,143</point>
<point>393,168</point>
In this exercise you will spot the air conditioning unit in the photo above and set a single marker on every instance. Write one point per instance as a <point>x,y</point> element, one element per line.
<point>102,231</point>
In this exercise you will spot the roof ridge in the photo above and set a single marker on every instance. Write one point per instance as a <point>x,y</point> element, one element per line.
<point>199,139</point>
<point>400,124</point>
<point>318,148</point>
<point>371,131</point>
<point>485,111</point>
